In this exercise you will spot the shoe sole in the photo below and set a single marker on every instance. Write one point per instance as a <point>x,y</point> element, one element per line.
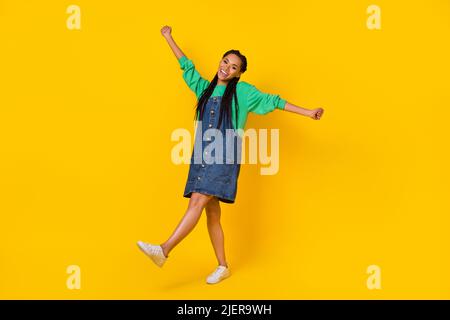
<point>145,252</point>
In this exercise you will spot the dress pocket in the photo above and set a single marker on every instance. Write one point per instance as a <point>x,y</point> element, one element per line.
<point>221,173</point>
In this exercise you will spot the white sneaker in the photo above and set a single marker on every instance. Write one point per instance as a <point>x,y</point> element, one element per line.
<point>154,252</point>
<point>218,275</point>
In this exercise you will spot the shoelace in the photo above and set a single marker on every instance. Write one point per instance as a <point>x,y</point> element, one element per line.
<point>217,272</point>
<point>153,249</point>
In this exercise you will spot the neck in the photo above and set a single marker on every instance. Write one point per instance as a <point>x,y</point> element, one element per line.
<point>222,83</point>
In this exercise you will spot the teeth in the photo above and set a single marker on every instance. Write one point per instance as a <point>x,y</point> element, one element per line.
<point>224,72</point>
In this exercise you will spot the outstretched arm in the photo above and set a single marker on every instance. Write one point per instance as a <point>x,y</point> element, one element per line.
<point>314,113</point>
<point>166,32</point>
<point>262,103</point>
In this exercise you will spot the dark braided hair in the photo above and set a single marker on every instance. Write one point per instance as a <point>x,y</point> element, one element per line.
<point>230,93</point>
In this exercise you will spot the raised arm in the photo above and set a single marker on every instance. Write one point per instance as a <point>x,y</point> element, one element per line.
<point>190,75</point>
<point>166,32</point>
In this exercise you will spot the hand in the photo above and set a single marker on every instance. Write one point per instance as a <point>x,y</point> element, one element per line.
<point>316,113</point>
<point>166,31</point>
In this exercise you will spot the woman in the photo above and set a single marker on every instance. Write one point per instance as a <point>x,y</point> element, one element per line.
<point>223,105</point>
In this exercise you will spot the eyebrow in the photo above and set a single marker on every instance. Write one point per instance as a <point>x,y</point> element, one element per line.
<point>232,63</point>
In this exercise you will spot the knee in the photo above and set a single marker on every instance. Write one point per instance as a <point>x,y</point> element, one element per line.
<point>198,200</point>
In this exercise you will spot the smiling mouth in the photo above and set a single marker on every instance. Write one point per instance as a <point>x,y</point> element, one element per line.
<point>223,72</point>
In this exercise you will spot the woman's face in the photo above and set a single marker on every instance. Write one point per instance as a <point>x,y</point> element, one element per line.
<point>229,67</point>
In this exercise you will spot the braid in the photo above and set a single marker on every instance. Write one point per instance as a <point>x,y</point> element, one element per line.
<point>204,98</point>
<point>225,105</point>
<point>228,96</point>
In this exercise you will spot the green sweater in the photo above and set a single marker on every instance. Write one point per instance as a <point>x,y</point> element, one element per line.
<point>250,99</point>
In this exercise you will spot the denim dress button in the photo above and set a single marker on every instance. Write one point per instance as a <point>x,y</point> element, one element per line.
<point>219,178</point>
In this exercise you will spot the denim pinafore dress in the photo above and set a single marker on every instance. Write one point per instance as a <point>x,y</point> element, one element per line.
<point>214,168</point>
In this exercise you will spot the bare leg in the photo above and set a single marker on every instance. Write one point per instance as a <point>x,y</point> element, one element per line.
<point>215,230</point>
<point>196,204</point>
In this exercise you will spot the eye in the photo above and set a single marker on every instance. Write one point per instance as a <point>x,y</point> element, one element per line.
<point>225,61</point>
<point>234,68</point>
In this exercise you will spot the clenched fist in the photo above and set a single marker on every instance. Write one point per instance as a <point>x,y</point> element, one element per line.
<point>166,31</point>
<point>316,113</point>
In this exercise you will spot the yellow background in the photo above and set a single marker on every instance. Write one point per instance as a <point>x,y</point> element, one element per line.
<point>85,169</point>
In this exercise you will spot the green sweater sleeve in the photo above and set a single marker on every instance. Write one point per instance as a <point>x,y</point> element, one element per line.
<point>191,76</point>
<point>262,103</point>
